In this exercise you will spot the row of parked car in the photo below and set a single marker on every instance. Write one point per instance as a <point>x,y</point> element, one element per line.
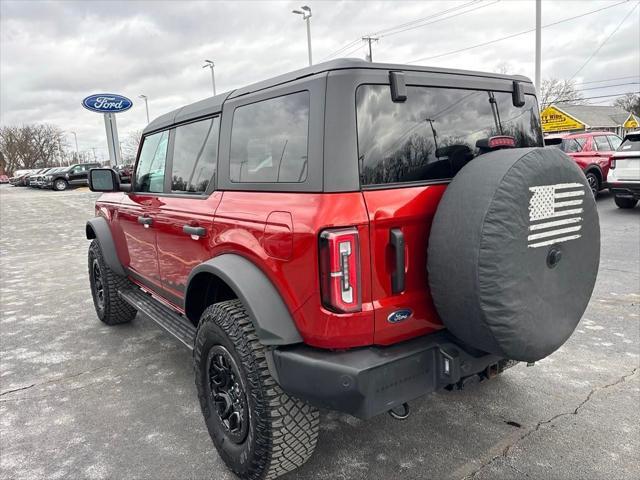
<point>61,178</point>
<point>606,160</point>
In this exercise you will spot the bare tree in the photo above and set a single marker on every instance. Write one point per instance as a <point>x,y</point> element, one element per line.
<point>503,67</point>
<point>630,102</point>
<point>553,90</point>
<point>130,146</point>
<point>32,146</point>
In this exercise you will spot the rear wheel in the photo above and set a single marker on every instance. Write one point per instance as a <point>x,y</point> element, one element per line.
<point>259,431</point>
<point>625,202</point>
<point>60,184</point>
<point>594,183</point>
<point>111,309</point>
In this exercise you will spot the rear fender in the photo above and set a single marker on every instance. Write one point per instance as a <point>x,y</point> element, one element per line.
<point>269,314</point>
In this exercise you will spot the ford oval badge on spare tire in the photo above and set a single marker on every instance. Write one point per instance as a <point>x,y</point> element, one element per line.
<point>399,315</point>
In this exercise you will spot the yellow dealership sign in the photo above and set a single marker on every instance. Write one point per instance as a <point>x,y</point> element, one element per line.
<point>632,122</point>
<point>553,120</point>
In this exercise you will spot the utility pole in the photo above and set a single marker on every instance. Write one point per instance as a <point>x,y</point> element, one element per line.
<point>146,104</point>
<point>369,40</point>
<point>538,42</point>
<point>305,11</point>
<point>211,65</point>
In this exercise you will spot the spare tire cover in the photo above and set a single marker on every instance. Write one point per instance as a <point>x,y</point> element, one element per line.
<point>513,252</point>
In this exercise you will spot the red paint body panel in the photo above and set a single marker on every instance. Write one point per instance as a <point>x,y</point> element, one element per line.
<point>411,210</point>
<point>279,233</point>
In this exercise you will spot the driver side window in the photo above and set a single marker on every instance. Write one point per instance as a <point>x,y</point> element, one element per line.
<point>150,170</point>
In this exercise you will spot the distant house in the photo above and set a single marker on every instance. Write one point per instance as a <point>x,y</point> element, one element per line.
<point>564,118</point>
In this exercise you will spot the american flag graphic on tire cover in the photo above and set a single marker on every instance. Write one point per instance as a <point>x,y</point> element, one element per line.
<point>555,214</point>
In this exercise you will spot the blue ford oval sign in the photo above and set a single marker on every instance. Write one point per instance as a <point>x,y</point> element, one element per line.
<point>399,315</point>
<point>107,103</point>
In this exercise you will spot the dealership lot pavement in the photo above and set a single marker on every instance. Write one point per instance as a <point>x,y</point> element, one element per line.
<point>79,399</point>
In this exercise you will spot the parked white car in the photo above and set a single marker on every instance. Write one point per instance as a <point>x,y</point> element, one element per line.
<point>624,173</point>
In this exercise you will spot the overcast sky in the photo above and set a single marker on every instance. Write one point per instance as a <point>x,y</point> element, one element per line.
<point>53,54</point>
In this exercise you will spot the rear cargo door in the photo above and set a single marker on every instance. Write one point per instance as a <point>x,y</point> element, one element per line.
<point>408,152</point>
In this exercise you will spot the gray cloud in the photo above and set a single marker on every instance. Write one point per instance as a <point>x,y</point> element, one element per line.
<point>53,54</point>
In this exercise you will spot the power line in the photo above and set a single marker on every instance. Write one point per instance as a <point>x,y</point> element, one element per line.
<point>589,98</point>
<point>595,52</point>
<point>608,80</point>
<point>413,24</point>
<point>516,34</point>
<point>608,86</point>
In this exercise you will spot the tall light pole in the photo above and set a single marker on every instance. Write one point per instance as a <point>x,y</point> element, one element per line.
<point>538,42</point>
<point>210,64</point>
<point>305,11</point>
<point>146,104</point>
<point>76,139</point>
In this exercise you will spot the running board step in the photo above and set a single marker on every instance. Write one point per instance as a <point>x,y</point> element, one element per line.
<point>176,325</point>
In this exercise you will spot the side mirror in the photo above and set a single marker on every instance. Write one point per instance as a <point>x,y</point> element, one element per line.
<point>103,180</point>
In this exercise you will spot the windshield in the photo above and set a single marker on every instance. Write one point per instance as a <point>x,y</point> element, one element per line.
<point>434,133</point>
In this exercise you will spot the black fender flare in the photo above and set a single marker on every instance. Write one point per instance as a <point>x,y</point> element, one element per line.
<point>270,316</point>
<point>98,228</point>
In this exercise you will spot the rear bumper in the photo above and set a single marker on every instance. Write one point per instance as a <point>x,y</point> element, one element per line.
<point>625,189</point>
<point>368,381</point>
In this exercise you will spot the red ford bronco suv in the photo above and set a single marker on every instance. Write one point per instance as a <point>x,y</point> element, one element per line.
<point>349,236</point>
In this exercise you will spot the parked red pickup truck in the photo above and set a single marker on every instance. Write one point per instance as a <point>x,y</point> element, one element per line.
<point>349,236</point>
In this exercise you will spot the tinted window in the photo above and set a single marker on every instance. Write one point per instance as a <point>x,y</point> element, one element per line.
<point>195,155</point>
<point>150,169</point>
<point>269,140</point>
<point>572,145</point>
<point>615,141</point>
<point>601,143</point>
<point>433,134</point>
<point>631,144</point>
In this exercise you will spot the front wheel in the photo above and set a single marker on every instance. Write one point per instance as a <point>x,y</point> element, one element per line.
<point>259,431</point>
<point>60,184</point>
<point>625,202</point>
<point>594,183</point>
<point>110,308</point>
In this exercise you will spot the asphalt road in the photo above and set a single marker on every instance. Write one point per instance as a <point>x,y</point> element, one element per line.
<point>79,399</point>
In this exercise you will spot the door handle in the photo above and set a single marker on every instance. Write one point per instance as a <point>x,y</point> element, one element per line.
<point>144,220</point>
<point>194,231</point>
<point>396,238</point>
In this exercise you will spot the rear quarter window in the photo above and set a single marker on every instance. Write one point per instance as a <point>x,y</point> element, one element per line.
<point>433,134</point>
<point>269,140</point>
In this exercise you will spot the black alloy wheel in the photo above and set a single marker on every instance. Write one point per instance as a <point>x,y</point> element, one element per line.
<point>227,394</point>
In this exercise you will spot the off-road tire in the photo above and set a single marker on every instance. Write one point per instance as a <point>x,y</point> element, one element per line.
<point>594,183</point>
<point>282,430</point>
<point>625,202</point>
<point>60,184</point>
<point>114,310</point>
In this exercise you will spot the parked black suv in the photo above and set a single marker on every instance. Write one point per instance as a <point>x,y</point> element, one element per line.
<point>73,175</point>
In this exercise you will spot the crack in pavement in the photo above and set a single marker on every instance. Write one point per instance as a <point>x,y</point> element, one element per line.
<point>505,452</point>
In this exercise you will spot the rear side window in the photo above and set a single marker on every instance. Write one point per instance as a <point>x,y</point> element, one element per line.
<point>195,156</point>
<point>433,134</point>
<point>602,144</point>
<point>631,143</point>
<point>269,140</point>
<point>150,169</point>
<point>615,141</point>
<point>572,145</point>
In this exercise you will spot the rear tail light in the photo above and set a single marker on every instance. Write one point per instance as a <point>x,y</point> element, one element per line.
<point>340,270</point>
<point>612,163</point>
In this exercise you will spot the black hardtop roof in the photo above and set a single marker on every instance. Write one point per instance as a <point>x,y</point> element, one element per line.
<point>214,104</point>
